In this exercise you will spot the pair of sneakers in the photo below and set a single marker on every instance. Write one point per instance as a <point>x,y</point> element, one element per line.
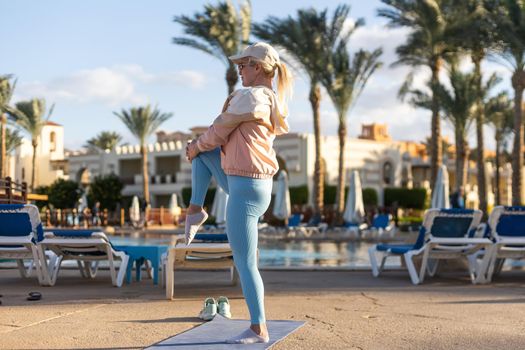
<point>193,223</point>
<point>213,307</point>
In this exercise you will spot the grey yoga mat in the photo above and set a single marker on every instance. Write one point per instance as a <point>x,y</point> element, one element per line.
<point>211,335</point>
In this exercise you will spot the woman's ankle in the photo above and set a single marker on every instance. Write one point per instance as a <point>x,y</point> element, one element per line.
<point>194,209</point>
<point>259,329</point>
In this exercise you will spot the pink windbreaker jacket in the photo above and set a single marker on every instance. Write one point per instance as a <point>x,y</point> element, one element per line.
<point>245,130</point>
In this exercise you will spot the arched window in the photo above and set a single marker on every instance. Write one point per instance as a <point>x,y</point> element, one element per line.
<point>52,141</point>
<point>387,173</point>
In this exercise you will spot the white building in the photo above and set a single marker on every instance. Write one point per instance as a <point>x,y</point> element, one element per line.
<point>381,162</point>
<point>378,161</point>
<point>49,157</point>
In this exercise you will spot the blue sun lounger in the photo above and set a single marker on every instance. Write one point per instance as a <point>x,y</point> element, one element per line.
<point>20,233</point>
<point>507,230</point>
<point>445,234</point>
<point>382,225</point>
<point>88,248</point>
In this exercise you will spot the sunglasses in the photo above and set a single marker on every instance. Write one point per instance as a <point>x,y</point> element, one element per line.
<point>243,65</point>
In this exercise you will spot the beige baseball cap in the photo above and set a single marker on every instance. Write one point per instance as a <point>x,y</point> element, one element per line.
<point>261,51</point>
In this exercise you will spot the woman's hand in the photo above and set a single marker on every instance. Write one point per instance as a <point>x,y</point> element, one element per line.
<point>192,150</point>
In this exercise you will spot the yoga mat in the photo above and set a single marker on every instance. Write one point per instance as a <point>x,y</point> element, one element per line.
<point>211,335</point>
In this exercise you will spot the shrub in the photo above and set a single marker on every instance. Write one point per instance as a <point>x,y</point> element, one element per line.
<point>405,197</point>
<point>106,189</point>
<point>63,194</point>
<point>42,190</point>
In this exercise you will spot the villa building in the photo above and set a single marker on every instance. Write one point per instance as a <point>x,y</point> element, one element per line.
<point>51,163</point>
<point>380,161</point>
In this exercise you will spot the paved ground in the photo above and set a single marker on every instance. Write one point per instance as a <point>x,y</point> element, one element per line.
<point>343,310</point>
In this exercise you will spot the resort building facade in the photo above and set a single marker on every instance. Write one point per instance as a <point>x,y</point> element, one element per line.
<point>50,157</point>
<point>380,161</point>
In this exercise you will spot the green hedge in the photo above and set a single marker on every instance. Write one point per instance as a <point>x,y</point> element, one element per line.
<point>413,198</point>
<point>329,194</point>
<point>299,195</point>
<point>208,201</point>
<point>370,196</point>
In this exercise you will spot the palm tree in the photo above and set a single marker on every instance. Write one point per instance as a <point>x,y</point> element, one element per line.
<point>13,139</point>
<point>427,46</point>
<point>344,82</point>
<point>511,28</point>
<point>458,105</point>
<point>306,40</point>
<point>105,140</point>
<point>499,113</point>
<point>473,30</point>
<point>142,122</point>
<point>29,115</point>
<point>6,92</point>
<point>220,31</point>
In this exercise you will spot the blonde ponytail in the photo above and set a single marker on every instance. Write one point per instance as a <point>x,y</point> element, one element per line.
<point>284,80</point>
<point>284,85</point>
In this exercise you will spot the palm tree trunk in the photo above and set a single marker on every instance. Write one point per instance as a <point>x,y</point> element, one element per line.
<point>232,77</point>
<point>466,155</point>
<point>435,139</point>
<point>3,152</point>
<point>340,195</point>
<point>498,162</point>
<point>34,170</point>
<point>460,161</point>
<point>145,177</point>
<point>480,151</point>
<point>315,100</point>
<point>518,83</point>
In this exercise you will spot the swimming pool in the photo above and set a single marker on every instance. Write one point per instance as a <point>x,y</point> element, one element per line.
<point>290,254</point>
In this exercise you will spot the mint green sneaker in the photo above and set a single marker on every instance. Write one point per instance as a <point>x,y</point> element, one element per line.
<point>223,305</point>
<point>209,310</point>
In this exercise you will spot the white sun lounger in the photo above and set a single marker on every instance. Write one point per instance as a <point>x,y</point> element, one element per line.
<point>445,234</point>
<point>20,233</point>
<point>507,230</point>
<point>88,248</point>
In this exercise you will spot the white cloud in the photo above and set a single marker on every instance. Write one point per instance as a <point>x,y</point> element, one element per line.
<point>190,78</point>
<point>121,84</point>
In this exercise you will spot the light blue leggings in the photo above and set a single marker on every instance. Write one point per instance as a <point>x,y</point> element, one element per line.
<point>248,200</point>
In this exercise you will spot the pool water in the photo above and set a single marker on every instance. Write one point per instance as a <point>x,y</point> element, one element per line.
<point>274,253</point>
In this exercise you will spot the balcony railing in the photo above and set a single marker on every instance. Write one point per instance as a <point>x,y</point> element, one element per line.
<point>12,192</point>
<point>153,179</point>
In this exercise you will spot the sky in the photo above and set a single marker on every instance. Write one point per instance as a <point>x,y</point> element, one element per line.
<point>92,58</point>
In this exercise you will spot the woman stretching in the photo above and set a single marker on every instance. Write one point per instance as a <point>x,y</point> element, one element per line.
<point>243,166</point>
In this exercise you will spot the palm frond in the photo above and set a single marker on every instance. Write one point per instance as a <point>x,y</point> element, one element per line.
<point>13,139</point>
<point>345,79</point>
<point>29,115</point>
<point>103,141</point>
<point>142,121</point>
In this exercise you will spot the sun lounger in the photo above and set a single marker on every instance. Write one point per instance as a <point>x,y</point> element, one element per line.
<point>382,225</point>
<point>297,229</point>
<point>88,248</point>
<point>207,251</point>
<point>20,233</point>
<point>507,230</point>
<point>445,234</point>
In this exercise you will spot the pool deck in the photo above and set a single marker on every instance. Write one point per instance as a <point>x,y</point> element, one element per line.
<point>343,310</point>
